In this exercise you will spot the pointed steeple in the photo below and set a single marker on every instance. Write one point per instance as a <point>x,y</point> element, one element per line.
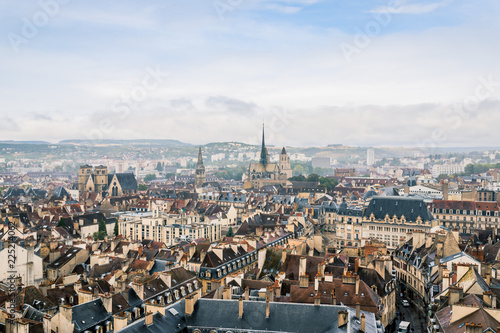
<point>200,161</point>
<point>200,171</point>
<point>263,151</point>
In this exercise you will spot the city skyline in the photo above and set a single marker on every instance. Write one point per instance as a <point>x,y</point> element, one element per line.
<point>401,73</point>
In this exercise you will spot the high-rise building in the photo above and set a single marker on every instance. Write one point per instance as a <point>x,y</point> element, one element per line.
<point>370,157</point>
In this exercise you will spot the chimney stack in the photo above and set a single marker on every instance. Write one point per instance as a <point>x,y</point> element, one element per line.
<point>334,297</point>
<point>267,308</point>
<point>358,310</point>
<point>317,300</point>
<point>316,282</point>
<point>149,319</point>
<point>343,318</point>
<point>189,302</point>
<point>363,322</point>
<point>303,281</point>
<point>357,285</point>
<point>302,266</point>
<point>247,294</point>
<point>240,312</point>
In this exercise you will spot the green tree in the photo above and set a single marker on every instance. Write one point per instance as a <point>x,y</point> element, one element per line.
<point>149,177</point>
<point>142,187</point>
<point>116,228</point>
<point>159,167</point>
<point>230,232</point>
<point>329,183</point>
<point>299,178</point>
<point>313,177</point>
<point>102,233</point>
<point>298,170</point>
<point>61,223</point>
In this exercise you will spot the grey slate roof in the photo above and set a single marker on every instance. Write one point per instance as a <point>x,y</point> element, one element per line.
<point>88,315</point>
<point>409,207</point>
<point>284,317</point>
<point>127,181</point>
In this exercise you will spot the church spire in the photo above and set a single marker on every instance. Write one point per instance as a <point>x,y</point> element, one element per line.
<point>200,171</point>
<point>200,161</point>
<point>263,151</point>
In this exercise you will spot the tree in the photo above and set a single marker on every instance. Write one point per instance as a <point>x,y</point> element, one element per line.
<point>159,167</point>
<point>102,233</point>
<point>329,183</point>
<point>142,187</point>
<point>299,178</point>
<point>298,170</point>
<point>116,228</point>
<point>149,177</point>
<point>61,223</point>
<point>230,232</point>
<point>313,177</point>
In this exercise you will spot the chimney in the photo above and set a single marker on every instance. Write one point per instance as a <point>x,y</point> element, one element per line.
<point>494,301</point>
<point>119,321</point>
<point>47,324</point>
<point>343,318</point>
<point>488,278</point>
<point>356,265</point>
<point>357,285</point>
<point>240,311</point>
<point>445,190</point>
<point>304,281</point>
<point>107,301</point>
<point>316,282</point>
<point>473,328</point>
<point>487,298</point>
<point>446,279</point>
<point>317,300</point>
<point>247,293</point>
<point>302,266</point>
<point>334,298</point>
<point>149,319</point>
<point>226,294</point>
<point>456,294</point>
<point>363,323</point>
<point>321,269</point>
<point>267,308</point>
<point>203,253</point>
<point>380,267</point>
<point>66,312</point>
<point>358,310</point>
<point>270,293</point>
<point>189,302</point>
<point>277,288</point>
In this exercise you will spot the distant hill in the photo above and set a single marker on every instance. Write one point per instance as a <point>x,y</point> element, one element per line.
<point>26,142</point>
<point>142,142</point>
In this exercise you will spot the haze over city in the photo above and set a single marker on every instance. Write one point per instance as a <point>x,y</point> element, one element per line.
<point>369,73</point>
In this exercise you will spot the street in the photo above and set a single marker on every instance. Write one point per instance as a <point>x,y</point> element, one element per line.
<point>409,314</point>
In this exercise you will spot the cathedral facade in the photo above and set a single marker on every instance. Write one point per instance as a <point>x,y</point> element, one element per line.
<point>266,173</point>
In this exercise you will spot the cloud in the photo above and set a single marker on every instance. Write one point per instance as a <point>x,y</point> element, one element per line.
<point>404,7</point>
<point>8,125</point>
<point>228,104</point>
<point>283,9</point>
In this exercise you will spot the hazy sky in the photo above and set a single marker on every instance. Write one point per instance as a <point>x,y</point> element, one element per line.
<point>317,72</point>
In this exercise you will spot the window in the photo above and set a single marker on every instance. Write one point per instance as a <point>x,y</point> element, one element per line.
<point>209,287</point>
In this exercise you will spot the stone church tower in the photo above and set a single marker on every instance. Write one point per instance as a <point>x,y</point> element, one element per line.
<point>285,166</point>
<point>200,171</point>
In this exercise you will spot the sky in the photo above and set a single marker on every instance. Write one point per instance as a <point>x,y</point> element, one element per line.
<point>316,72</point>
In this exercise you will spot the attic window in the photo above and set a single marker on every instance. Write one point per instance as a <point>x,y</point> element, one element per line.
<point>346,294</point>
<point>362,294</point>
